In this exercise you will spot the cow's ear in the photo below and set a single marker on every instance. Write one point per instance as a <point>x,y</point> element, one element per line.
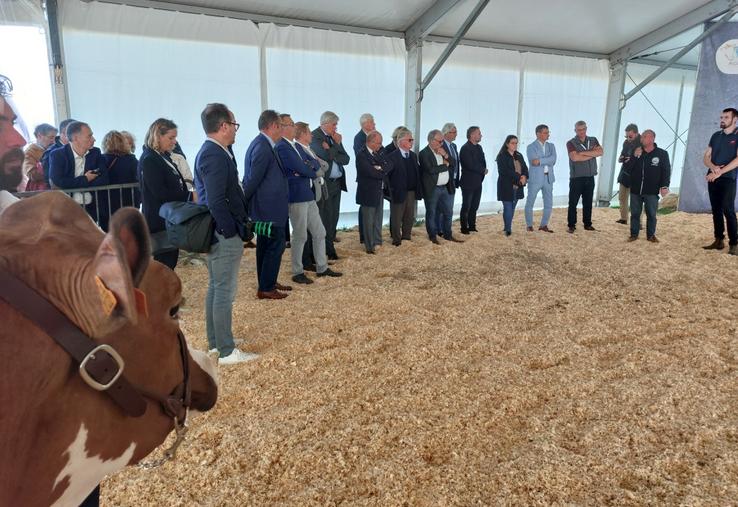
<point>120,263</point>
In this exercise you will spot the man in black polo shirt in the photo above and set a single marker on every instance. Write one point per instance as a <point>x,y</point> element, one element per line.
<point>721,157</point>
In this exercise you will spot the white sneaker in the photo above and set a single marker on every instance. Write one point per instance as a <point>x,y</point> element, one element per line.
<point>237,356</point>
<point>236,341</point>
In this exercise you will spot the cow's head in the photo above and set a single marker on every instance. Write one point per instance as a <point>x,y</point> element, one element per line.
<point>107,286</point>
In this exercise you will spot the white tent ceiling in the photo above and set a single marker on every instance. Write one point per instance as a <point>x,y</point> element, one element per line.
<point>592,26</point>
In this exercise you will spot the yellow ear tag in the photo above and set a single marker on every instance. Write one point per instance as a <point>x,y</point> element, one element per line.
<point>107,298</point>
<point>141,303</point>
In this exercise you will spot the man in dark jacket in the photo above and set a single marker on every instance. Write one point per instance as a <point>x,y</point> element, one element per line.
<point>328,145</point>
<point>372,168</point>
<point>650,173</point>
<point>404,187</point>
<point>436,170</point>
<point>632,141</point>
<point>473,171</point>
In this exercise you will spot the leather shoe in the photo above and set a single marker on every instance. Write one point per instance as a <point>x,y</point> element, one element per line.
<point>331,273</point>
<point>336,239</point>
<point>249,244</point>
<point>272,294</point>
<point>653,239</point>
<point>301,278</point>
<point>621,221</point>
<point>589,228</point>
<point>465,231</point>
<point>453,239</point>
<point>718,244</point>
<point>309,267</point>
<point>435,241</point>
<point>279,286</point>
<point>371,252</point>
<point>632,238</point>
<point>571,230</point>
<point>733,250</point>
<point>544,228</point>
<point>396,243</point>
<point>473,229</point>
<point>333,257</point>
<point>529,228</point>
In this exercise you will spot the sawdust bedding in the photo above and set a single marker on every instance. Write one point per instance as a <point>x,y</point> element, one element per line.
<point>536,369</point>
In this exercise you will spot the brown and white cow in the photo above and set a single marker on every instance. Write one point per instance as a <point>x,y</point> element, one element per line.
<point>58,436</point>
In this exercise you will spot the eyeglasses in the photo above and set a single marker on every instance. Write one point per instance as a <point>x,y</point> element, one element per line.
<point>235,125</point>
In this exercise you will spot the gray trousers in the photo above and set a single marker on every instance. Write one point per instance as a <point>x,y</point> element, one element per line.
<point>305,217</point>
<point>402,218</point>
<point>223,262</point>
<point>371,217</point>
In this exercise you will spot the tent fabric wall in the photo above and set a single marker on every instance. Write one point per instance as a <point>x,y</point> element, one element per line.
<point>127,66</point>
<point>663,93</point>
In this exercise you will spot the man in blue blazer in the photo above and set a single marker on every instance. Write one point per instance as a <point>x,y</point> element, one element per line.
<point>216,183</point>
<point>80,165</point>
<point>266,190</point>
<point>304,215</point>
<point>541,160</point>
<point>372,168</point>
<point>328,145</point>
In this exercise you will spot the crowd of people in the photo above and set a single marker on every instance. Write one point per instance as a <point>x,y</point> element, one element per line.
<point>295,176</point>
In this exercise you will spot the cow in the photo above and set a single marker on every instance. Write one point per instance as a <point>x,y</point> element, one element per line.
<point>58,435</point>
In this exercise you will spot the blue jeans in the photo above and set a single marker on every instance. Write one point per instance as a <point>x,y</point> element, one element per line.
<point>223,263</point>
<point>269,258</point>
<point>441,218</point>
<point>438,202</point>
<point>533,188</point>
<point>508,212</point>
<point>637,203</point>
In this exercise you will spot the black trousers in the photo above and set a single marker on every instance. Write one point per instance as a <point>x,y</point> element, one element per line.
<point>329,210</point>
<point>722,202</point>
<point>470,198</point>
<point>582,187</point>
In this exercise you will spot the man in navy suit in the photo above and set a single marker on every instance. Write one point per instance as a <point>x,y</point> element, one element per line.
<point>80,165</point>
<point>366,122</point>
<point>450,132</point>
<point>327,144</point>
<point>404,187</point>
<point>266,190</point>
<point>372,168</point>
<point>216,183</point>
<point>304,215</point>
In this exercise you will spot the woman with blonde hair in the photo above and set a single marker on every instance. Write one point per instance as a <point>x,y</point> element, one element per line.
<point>161,181</point>
<point>123,168</point>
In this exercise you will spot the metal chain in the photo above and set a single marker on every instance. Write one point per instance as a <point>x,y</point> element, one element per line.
<point>181,432</point>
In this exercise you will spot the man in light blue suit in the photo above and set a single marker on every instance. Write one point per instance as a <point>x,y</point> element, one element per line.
<point>541,160</point>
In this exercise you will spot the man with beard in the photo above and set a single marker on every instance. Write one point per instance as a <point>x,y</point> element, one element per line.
<point>721,158</point>
<point>11,142</point>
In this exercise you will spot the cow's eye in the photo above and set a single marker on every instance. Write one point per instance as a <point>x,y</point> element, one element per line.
<point>174,312</point>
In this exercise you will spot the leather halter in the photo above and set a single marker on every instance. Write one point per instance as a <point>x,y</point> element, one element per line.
<point>100,365</point>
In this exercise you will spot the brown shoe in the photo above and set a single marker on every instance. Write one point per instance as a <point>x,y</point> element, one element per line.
<point>632,238</point>
<point>529,228</point>
<point>589,228</point>
<point>544,228</point>
<point>718,244</point>
<point>272,294</point>
<point>279,286</point>
<point>653,239</point>
<point>454,240</point>
<point>621,221</point>
<point>249,244</point>
<point>571,230</point>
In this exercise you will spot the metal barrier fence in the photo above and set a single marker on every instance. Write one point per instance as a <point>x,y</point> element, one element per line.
<point>99,202</point>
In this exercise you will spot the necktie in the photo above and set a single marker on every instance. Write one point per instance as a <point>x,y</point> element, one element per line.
<point>405,155</point>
